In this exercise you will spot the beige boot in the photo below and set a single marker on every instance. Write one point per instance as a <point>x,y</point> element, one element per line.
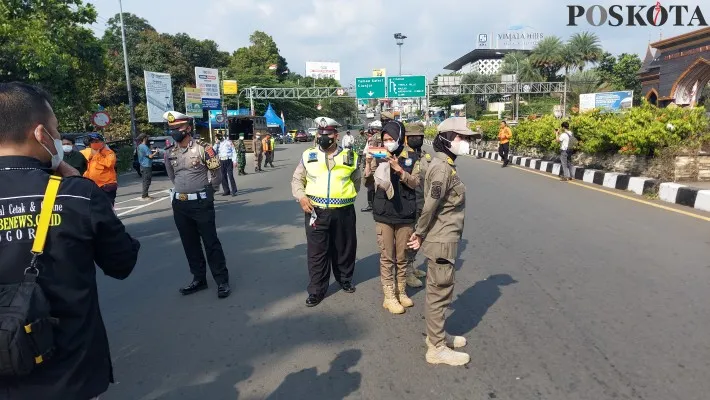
<point>402,295</point>
<point>419,273</point>
<point>444,355</point>
<point>453,342</point>
<point>391,303</point>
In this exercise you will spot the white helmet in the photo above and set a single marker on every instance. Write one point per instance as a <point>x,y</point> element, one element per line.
<point>377,124</point>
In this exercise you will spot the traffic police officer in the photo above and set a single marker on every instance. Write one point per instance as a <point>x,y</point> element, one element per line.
<point>325,184</point>
<point>438,233</point>
<point>373,140</point>
<point>193,167</point>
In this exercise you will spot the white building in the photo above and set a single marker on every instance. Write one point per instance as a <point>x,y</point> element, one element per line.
<point>482,61</point>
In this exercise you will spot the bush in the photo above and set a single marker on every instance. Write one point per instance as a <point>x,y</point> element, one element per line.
<point>430,132</point>
<point>641,131</point>
<point>124,159</point>
<point>489,127</point>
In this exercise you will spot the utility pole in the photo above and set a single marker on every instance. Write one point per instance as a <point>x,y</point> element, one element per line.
<point>399,38</point>
<point>128,77</point>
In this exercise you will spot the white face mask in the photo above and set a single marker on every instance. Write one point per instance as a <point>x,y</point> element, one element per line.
<point>391,146</point>
<point>460,148</point>
<point>58,147</point>
<point>67,148</point>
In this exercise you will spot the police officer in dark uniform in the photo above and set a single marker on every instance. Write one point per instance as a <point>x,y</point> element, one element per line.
<point>193,167</point>
<point>326,183</point>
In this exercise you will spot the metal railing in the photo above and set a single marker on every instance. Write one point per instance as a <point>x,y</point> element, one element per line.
<point>497,88</point>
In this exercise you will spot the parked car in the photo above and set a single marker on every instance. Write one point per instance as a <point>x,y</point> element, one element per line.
<point>302,136</point>
<point>312,133</point>
<point>161,143</point>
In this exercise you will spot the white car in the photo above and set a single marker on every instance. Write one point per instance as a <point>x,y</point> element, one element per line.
<point>370,115</point>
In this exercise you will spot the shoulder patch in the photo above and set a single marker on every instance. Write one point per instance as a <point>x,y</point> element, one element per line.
<point>436,190</point>
<point>408,162</point>
<point>427,156</point>
<point>312,156</point>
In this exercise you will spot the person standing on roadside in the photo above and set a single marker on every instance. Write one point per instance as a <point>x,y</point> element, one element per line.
<point>227,161</point>
<point>325,184</point>
<point>145,160</point>
<point>373,140</point>
<point>565,137</point>
<point>102,166</point>
<point>438,233</point>
<point>414,142</point>
<point>193,167</point>
<point>258,151</point>
<point>73,157</point>
<point>268,150</point>
<point>273,151</point>
<point>241,155</point>
<point>394,212</point>
<point>83,234</point>
<point>504,136</point>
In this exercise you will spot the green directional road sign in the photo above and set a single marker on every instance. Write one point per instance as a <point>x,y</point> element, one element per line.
<point>370,88</point>
<point>406,86</point>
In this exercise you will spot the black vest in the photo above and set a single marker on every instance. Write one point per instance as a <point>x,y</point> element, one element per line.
<point>402,208</point>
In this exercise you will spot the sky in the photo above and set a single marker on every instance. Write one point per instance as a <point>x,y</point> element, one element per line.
<point>359,33</point>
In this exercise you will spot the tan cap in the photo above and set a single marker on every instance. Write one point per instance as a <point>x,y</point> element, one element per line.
<point>386,114</point>
<point>457,125</point>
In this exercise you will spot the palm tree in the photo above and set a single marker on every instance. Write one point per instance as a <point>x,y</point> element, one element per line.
<point>547,56</point>
<point>569,58</point>
<point>585,49</point>
<point>526,71</point>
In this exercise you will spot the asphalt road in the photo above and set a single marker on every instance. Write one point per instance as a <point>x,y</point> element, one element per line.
<point>562,292</point>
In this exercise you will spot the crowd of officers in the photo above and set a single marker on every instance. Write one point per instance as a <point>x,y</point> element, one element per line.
<point>417,201</point>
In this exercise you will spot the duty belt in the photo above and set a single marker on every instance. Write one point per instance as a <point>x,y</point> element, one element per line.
<point>331,202</point>
<point>190,196</point>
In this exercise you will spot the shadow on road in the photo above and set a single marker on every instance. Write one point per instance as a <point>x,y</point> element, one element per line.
<point>472,305</point>
<point>335,384</point>
<point>167,346</point>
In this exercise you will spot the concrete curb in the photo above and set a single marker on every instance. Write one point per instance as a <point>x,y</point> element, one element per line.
<point>667,191</point>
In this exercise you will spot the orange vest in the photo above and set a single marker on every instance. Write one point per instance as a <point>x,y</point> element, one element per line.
<point>266,144</point>
<point>504,135</point>
<point>102,166</point>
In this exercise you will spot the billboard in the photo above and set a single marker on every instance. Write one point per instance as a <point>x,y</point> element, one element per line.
<point>193,102</point>
<point>207,80</point>
<point>379,72</point>
<point>158,94</point>
<point>217,117</point>
<point>606,101</point>
<point>320,70</point>
<point>230,87</point>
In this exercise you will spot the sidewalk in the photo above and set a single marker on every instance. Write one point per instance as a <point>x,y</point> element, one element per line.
<point>691,194</point>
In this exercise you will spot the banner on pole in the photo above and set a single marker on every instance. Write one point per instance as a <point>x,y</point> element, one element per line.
<point>193,102</point>
<point>159,94</point>
<point>207,80</point>
<point>230,87</point>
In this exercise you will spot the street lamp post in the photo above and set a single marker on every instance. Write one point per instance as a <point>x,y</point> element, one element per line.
<point>128,77</point>
<point>517,85</point>
<point>400,41</point>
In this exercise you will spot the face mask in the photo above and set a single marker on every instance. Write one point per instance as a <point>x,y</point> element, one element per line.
<point>460,148</point>
<point>415,142</point>
<point>178,135</point>
<point>67,148</point>
<point>58,147</point>
<point>391,146</point>
<point>97,146</point>
<point>325,141</point>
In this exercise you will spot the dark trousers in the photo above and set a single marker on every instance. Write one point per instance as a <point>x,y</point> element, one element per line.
<point>195,221</point>
<point>370,195</point>
<point>228,177</point>
<point>269,158</point>
<point>503,152</point>
<point>332,244</point>
<point>110,191</point>
<point>147,175</point>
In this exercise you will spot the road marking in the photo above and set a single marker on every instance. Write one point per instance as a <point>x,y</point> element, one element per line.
<point>623,196</point>
<point>142,206</point>
<point>139,198</point>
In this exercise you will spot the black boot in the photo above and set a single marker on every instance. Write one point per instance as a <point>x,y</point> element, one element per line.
<point>194,287</point>
<point>368,208</point>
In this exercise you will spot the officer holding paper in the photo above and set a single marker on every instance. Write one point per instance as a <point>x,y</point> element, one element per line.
<point>325,184</point>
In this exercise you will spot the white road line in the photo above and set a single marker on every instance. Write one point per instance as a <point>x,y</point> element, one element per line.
<point>139,198</point>
<point>143,206</point>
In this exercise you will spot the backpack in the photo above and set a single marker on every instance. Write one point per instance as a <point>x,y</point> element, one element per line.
<point>26,326</point>
<point>573,142</point>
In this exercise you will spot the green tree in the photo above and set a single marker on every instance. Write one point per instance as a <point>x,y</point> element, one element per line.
<point>584,48</point>
<point>526,71</point>
<point>48,44</point>
<point>547,57</point>
<point>625,76</point>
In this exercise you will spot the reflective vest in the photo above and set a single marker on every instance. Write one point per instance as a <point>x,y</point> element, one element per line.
<point>330,188</point>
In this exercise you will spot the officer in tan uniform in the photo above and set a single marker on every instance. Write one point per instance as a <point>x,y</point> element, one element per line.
<point>438,233</point>
<point>258,151</point>
<point>194,168</point>
<point>415,141</point>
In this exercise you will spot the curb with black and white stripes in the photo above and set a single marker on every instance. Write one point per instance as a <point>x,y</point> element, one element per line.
<point>667,191</point>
